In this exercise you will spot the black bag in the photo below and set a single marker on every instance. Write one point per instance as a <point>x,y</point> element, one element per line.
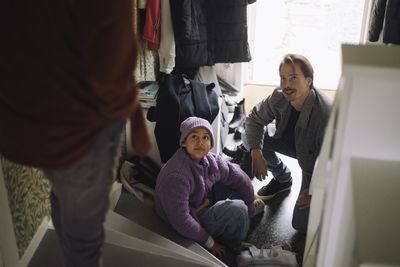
<point>147,170</point>
<point>178,99</point>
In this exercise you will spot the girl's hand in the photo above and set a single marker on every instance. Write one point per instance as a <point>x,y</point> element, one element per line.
<point>218,250</point>
<point>203,205</point>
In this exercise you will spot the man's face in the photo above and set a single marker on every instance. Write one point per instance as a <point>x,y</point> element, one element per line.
<point>198,144</point>
<point>294,85</point>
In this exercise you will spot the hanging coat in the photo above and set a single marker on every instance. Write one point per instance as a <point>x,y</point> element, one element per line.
<point>208,32</point>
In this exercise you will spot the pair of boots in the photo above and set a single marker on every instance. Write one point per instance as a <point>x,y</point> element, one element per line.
<point>240,155</point>
<point>236,125</point>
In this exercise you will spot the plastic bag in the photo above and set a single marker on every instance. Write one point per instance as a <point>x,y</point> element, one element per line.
<point>273,256</point>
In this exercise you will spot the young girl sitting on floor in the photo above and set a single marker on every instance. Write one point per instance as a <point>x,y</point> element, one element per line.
<point>193,188</point>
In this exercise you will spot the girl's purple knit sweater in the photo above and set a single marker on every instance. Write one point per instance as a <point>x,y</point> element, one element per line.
<point>183,184</point>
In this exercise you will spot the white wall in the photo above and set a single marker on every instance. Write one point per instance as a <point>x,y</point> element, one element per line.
<point>367,129</point>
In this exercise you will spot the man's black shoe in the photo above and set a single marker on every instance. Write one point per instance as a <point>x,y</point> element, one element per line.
<point>272,188</point>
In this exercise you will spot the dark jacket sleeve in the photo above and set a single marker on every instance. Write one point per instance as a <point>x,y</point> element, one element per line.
<point>391,25</point>
<point>377,18</point>
<point>185,14</point>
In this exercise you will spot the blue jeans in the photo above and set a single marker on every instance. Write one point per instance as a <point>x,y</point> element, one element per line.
<point>80,199</point>
<point>282,173</point>
<point>226,220</point>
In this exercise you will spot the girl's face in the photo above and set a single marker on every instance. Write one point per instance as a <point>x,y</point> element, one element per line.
<point>197,144</point>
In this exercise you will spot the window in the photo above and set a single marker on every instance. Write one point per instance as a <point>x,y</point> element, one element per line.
<point>313,28</point>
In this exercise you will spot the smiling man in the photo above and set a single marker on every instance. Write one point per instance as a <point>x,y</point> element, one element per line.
<point>301,112</point>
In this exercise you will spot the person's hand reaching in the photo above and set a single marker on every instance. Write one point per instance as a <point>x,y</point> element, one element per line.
<point>304,200</point>
<point>258,164</point>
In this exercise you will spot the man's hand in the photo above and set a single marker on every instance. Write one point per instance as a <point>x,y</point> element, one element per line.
<point>304,200</point>
<point>258,164</point>
<point>203,204</point>
<point>218,250</point>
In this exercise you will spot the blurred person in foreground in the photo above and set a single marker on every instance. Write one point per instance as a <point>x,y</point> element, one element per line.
<point>66,91</point>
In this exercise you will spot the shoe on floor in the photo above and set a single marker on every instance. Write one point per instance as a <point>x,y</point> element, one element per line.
<point>259,206</point>
<point>238,132</point>
<point>141,191</point>
<point>235,153</point>
<point>245,164</point>
<point>272,188</point>
<point>238,115</point>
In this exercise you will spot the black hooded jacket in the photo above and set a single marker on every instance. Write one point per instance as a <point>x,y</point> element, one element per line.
<point>210,31</point>
<point>385,16</point>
